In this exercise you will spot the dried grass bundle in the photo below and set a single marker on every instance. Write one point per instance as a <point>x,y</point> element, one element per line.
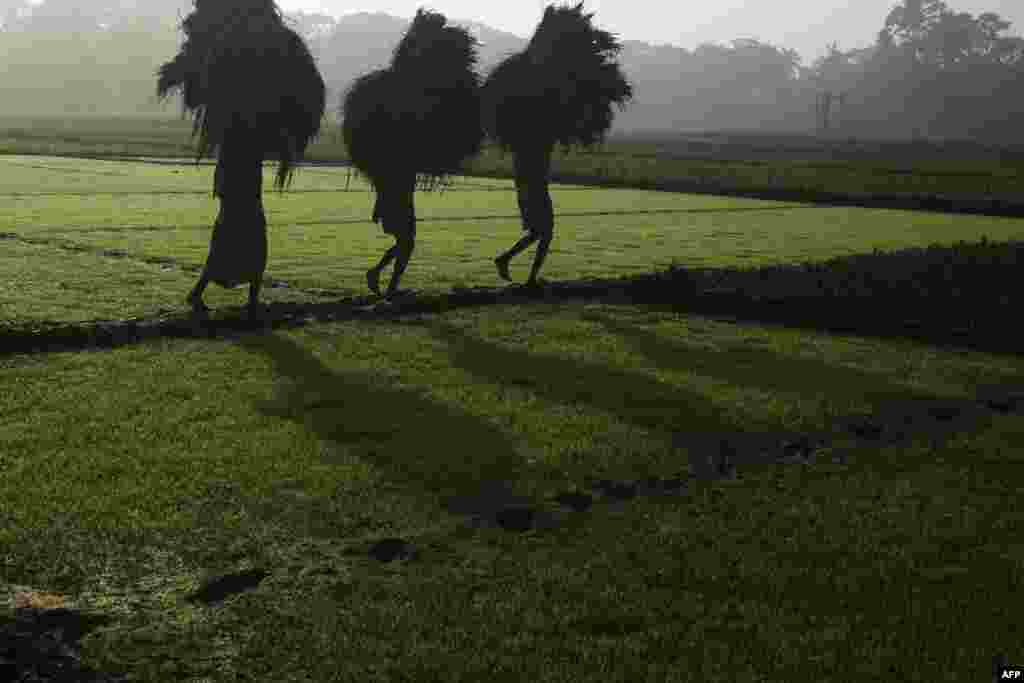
<point>421,115</point>
<point>567,74</point>
<point>241,62</point>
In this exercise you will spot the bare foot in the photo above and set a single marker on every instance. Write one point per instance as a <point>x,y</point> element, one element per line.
<point>502,264</point>
<point>373,280</point>
<point>398,293</point>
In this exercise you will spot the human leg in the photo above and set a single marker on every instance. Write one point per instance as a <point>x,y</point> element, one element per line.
<point>254,292</point>
<point>535,209</point>
<point>373,274</point>
<point>543,225</point>
<point>195,297</point>
<point>502,260</point>
<point>405,235</point>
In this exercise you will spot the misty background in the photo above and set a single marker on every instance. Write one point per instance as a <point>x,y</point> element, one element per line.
<point>924,69</point>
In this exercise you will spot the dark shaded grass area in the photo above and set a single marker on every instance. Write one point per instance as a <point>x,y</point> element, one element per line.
<point>380,419</point>
<point>375,413</point>
<point>961,296</point>
<point>701,427</point>
<point>391,420</point>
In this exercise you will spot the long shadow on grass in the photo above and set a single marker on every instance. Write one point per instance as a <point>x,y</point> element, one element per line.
<point>898,411</point>
<point>744,364</point>
<point>416,442</point>
<point>688,418</point>
<point>696,423</point>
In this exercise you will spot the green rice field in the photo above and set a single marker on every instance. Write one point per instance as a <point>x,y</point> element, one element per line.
<point>553,490</point>
<point>740,162</point>
<point>68,210</point>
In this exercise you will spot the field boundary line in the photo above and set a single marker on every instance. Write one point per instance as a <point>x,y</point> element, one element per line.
<point>366,190</point>
<point>910,201</point>
<point>440,219</point>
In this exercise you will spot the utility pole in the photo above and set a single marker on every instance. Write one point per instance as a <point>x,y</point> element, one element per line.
<point>823,107</point>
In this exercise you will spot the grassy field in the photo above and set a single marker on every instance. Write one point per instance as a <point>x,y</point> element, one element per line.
<point>709,162</point>
<point>498,492</point>
<point>156,219</point>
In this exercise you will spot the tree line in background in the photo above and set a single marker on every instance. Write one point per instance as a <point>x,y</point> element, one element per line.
<point>931,71</point>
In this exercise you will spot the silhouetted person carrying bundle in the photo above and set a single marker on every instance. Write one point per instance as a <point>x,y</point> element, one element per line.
<point>420,117</point>
<point>254,91</point>
<point>559,90</point>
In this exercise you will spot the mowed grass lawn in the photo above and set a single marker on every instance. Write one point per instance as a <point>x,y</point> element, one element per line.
<point>132,477</point>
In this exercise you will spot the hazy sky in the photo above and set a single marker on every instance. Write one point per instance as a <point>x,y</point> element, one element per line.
<point>803,25</point>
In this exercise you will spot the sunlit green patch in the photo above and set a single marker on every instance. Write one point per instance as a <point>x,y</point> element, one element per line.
<point>321,235</point>
<point>40,282</point>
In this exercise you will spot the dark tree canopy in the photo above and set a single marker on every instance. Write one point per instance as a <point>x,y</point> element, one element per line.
<point>421,115</point>
<point>562,88</point>
<point>241,66</point>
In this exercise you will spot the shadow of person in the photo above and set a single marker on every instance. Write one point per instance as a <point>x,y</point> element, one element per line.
<point>688,418</point>
<point>744,364</point>
<point>901,410</point>
<point>422,445</point>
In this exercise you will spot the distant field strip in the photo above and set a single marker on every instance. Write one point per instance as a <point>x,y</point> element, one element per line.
<point>950,176</point>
